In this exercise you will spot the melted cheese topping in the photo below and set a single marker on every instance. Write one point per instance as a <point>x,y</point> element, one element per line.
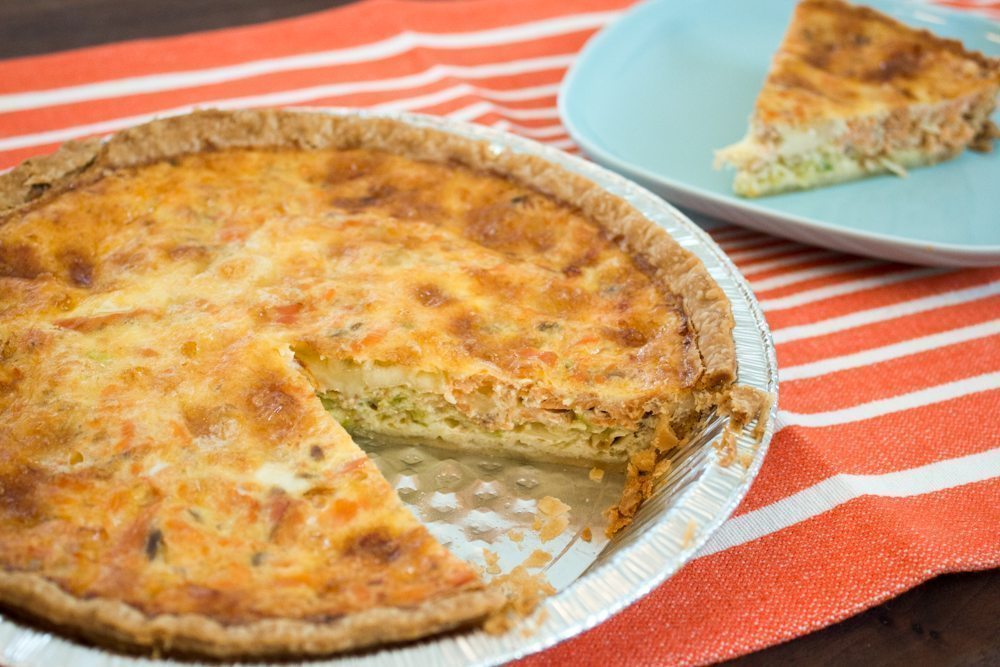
<point>160,442</point>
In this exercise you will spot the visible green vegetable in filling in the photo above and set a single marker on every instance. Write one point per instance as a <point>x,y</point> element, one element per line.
<point>403,412</point>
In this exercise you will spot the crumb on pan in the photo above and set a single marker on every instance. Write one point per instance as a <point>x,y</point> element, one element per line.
<point>550,506</point>
<point>642,471</point>
<point>538,558</point>
<point>596,474</point>
<point>524,592</point>
<point>586,535</point>
<point>539,618</point>
<point>689,532</point>
<point>744,406</point>
<point>553,528</point>
<point>515,535</point>
<point>551,520</point>
<point>492,562</point>
<point>726,446</point>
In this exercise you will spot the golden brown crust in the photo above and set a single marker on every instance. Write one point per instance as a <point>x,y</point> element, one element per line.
<point>118,624</point>
<point>32,178</point>
<point>672,268</point>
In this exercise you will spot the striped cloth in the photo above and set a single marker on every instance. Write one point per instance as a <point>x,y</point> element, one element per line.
<point>885,469</point>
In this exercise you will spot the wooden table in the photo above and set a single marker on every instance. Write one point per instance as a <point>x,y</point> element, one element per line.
<point>951,620</point>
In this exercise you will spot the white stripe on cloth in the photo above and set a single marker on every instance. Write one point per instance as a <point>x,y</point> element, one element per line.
<point>392,46</point>
<point>885,406</point>
<point>889,352</point>
<point>465,90</point>
<point>744,241</point>
<point>883,313</point>
<point>270,99</point>
<point>562,144</point>
<point>297,96</point>
<point>793,277</point>
<point>556,130</point>
<point>792,260</point>
<point>839,489</point>
<point>740,256</point>
<point>844,288</point>
<point>733,232</point>
<point>474,111</point>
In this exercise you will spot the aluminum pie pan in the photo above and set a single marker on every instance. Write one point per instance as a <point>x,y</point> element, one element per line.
<point>468,503</point>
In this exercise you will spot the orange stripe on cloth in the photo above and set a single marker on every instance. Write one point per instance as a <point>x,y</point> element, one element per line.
<point>890,330</point>
<point>892,377</point>
<point>991,9</point>
<point>307,85</point>
<point>353,25</point>
<point>833,278</point>
<point>877,297</point>
<point>886,444</point>
<point>795,264</point>
<point>797,580</point>
<point>748,244</point>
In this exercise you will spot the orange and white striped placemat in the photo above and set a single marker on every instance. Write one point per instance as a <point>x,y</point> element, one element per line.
<point>885,469</point>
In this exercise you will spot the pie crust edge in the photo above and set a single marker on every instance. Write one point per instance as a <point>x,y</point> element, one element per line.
<point>76,163</point>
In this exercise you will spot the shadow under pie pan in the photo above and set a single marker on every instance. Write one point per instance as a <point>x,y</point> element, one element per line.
<point>471,502</point>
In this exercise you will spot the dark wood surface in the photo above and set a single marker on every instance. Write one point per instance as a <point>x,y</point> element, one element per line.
<point>951,620</point>
<point>41,26</point>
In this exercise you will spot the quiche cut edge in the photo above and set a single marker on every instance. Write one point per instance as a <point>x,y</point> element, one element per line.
<point>780,154</point>
<point>667,264</point>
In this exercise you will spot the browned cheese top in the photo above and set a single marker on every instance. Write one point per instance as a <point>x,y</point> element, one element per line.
<point>838,60</point>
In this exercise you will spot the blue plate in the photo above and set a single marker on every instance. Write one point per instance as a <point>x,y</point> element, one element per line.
<point>654,94</point>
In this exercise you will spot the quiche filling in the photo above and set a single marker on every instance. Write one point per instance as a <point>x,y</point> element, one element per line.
<point>390,404</point>
<point>400,415</point>
<point>192,313</point>
<point>779,159</point>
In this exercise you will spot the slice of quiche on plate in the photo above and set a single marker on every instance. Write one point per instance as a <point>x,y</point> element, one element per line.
<point>194,311</point>
<point>852,92</point>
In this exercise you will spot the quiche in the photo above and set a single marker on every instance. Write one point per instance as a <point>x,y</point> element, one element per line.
<point>198,314</point>
<point>851,93</point>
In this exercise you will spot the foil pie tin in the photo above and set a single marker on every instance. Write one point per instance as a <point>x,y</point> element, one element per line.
<point>473,503</point>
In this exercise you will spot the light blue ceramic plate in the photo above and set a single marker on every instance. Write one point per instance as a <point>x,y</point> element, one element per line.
<point>654,94</point>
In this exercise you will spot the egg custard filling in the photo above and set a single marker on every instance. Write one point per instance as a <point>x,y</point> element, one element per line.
<point>389,406</point>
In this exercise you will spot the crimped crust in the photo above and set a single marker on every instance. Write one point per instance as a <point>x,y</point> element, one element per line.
<point>116,623</point>
<point>673,269</point>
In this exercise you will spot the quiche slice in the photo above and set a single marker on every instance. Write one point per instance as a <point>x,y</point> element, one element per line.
<point>851,93</point>
<point>192,313</point>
